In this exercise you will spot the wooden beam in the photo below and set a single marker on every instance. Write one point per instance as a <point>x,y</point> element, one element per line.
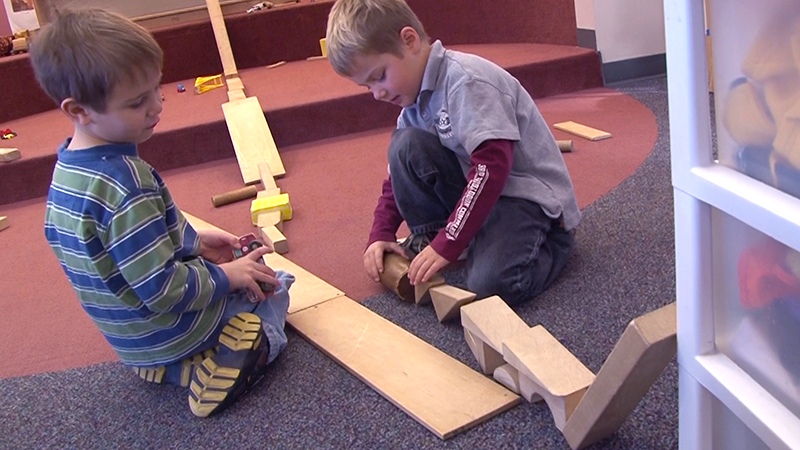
<point>221,36</point>
<point>645,348</point>
<point>439,392</point>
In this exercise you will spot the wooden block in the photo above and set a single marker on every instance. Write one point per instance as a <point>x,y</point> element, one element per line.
<point>557,375</point>
<point>439,392</point>
<point>235,96</point>
<point>488,358</point>
<point>314,58</point>
<point>528,389</point>
<point>252,139</point>
<point>645,348</point>
<point>267,180</point>
<point>492,321</point>
<point>323,46</point>
<point>508,376</point>
<point>395,276</point>
<point>308,289</point>
<point>19,45</point>
<point>263,205</point>
<point>276,65</point>
<point>275,238</point>
<point>233,196</point>
<point>422,295</point>
<point>270,219</point>
<point>4,223</point>
<point>447,301</point>
<point>9,154</point>
<point>583,131</point>
<point>235,84</point>
<point>565,146</point>
<point>221,36</point>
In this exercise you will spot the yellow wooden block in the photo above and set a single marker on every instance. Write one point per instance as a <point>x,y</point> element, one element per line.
<point>324,47</point>
<point>268,204</point>
<point>592,134</point>
<point>4,223</point>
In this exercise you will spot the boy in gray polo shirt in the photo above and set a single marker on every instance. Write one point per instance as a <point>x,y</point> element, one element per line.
<point>472,162</point>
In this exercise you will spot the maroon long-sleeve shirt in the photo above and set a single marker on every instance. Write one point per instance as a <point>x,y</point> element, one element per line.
<point>487,176</point>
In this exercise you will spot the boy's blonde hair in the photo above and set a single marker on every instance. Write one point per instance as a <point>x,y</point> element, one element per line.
<point>367,27</point>
<point>85,54</point>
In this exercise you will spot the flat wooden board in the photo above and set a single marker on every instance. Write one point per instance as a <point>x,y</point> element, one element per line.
<point>441,393</point>
<point>308,289</point>
<point>586,132</point>
<point>252,139</point>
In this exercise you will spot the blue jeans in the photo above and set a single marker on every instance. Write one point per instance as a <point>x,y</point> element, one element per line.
<point>272,312</point>
<point>517,253</point>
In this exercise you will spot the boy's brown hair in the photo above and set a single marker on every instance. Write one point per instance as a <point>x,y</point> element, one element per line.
<point>85,54</point>
<point>367,27</point>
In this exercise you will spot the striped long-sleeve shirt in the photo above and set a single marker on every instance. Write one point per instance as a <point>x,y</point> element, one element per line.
<point>131,256</point>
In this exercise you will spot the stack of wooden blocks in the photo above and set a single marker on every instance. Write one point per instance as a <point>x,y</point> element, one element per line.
<point>530,362</point>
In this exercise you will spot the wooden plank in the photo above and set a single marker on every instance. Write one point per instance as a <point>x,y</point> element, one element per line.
<point>221,36</point>
<point>592,134</point>
<point>441,393</point>
<point>308,289</point>
<point>645,348</point>
<point>252,139</point>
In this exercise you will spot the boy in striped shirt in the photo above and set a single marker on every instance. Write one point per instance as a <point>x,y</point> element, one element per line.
<point>171,301</point>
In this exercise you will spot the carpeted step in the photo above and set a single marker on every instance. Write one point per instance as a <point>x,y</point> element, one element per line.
<point>304,101</point>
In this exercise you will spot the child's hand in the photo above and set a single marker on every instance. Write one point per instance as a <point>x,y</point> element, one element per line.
<point>425,265</point>
<point>247,271</point>
<point>373,257</point>
<point>217,245</point>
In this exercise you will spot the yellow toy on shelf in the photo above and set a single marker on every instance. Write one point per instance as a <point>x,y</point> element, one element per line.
<point>203,84</point>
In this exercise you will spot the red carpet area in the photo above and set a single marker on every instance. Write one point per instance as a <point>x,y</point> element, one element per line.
<point>333,185</point>
<point>331,134</point>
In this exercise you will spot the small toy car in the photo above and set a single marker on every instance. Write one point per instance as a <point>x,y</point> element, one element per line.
<point>247,244</point>
<point>181,88</point>
<point>7,134</point>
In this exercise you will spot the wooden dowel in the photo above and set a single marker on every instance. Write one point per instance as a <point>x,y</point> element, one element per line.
<point>234,196</point>
<point>564,146</point>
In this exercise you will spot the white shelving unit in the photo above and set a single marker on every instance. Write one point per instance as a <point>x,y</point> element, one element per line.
<point>737,221</point>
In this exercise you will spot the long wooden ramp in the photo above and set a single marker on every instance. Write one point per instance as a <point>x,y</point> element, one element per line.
<point>250,134</point>
<point>441,393</point>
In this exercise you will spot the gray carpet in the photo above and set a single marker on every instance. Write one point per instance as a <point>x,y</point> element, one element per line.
<point>623,266</point>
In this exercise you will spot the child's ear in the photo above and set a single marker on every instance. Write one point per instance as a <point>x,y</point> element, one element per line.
<point>75,111</point>
<point>410,38</point>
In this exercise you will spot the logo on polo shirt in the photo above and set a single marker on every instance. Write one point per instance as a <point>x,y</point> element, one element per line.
<point>443,125</point>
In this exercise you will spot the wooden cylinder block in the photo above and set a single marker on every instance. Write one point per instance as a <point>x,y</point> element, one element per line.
<point>234,196</point>
<point>395,276</point>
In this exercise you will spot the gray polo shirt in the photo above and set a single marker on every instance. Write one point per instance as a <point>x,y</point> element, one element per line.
<point>467,100</point>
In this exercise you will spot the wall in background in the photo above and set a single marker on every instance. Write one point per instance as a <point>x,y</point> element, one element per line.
<point>5,27</point>
<point>629,34</point>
